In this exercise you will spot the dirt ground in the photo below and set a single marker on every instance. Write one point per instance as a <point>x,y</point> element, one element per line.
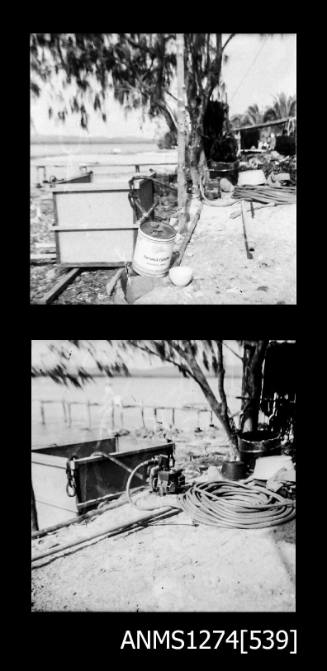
<point>170,565</point>
<point>221,270</point>
<point>222,273</point>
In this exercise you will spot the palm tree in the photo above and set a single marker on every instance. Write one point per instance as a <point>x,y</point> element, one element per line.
<point>253,115</point>
<point>283,106</point>
<point>237,121</point>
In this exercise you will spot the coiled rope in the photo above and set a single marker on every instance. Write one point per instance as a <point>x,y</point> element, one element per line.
<point>235,505</point>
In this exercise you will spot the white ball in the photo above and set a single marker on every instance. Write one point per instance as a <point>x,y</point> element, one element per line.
<point>181,275</point>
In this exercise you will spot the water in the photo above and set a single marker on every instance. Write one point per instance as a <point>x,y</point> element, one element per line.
<point>174,392</point>
<point>63,160</point>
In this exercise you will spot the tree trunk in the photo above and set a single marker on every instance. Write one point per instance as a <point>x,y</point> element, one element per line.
<point>220,409</point>
<point>254,354</point>
<point>34,520</point>
<point>181,133</point>
<point>195,148</point>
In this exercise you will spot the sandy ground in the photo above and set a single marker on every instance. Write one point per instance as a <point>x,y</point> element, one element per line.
<point>171,565</point>
<point>222,272</point>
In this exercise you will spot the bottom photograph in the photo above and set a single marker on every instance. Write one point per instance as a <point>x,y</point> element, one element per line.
<point>163,475</point>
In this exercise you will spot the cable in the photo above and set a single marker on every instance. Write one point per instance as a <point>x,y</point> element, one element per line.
<point>237,506</point>
<point>247,72</point>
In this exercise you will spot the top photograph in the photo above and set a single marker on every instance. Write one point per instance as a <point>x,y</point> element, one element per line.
<point>163,168</point>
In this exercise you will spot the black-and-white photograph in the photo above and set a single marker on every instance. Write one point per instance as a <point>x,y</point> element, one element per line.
<point>163,168</point>
<point>163,476</point>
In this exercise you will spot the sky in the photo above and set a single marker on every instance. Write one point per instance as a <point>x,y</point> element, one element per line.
<point>257,70</point>
<point>40,352</point>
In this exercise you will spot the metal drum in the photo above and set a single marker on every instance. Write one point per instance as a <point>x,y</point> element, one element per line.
<point>154,248</point>
<point>254,444</point>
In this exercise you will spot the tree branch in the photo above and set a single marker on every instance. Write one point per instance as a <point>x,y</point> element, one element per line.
<point>227,41</point>
<point>231,350</point>
<point>136,45</point>
<point>217,407</point>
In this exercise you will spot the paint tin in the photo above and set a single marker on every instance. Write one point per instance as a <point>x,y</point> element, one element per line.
<point>154,248</point>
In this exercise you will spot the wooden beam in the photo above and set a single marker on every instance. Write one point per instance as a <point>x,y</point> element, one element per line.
<point>111,531</point>
<point>187,238</point>
<point>61,285</point>
<point>277,122</point>
<point>248,246</point>
<point>113,281</point>
<point>40,259</point>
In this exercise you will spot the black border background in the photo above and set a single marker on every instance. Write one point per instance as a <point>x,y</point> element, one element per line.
<point>61,638</point>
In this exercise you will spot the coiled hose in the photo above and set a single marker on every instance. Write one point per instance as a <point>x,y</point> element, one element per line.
<point>235,505</point>
<point>228,504</point>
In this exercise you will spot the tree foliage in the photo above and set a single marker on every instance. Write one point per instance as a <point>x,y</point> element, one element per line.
<point>194,359</point>
<point>139,68</point>
<point>283,106</point>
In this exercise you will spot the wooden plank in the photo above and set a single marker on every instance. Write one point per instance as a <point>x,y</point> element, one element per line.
<point>45,245</point>
<point>61,285</point>
<point>248,245</point>
<point>266,124</point>
<point>137,523</point>
<point>66,229</point>
<point>94,264</point>
<point>113,281</point>
<point>40,259</point>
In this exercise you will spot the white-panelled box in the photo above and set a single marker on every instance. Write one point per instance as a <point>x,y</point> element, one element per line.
<point>95,224</point>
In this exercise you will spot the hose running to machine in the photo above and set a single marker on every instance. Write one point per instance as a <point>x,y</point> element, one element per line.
<point>229,504</point>
<point>129,482</point>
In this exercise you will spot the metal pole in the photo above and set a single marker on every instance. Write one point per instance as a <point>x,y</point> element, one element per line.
<point>142,416</point>
<point>173,416</point>
<point>42,412</point>
<point>69,414</point>
<point>89,414</point>
<point>64,410</point>
<point>181,132</point>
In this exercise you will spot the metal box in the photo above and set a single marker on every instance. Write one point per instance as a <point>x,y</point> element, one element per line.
<point>97,477</point>
<point>95,224</point>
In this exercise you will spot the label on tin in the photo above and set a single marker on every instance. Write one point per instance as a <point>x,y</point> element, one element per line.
<point>152,256</point>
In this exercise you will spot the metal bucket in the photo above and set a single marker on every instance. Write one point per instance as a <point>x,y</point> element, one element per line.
<point>254,444</point>
<point>154,248</point>
<point>224,169</point>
